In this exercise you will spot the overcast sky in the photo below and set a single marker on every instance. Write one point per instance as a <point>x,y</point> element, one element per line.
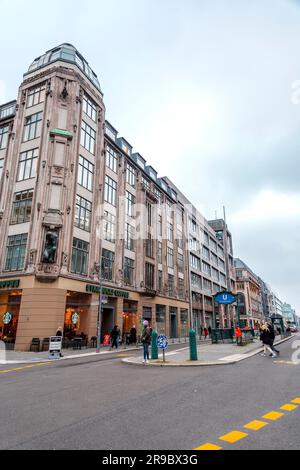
<point>206,91</point>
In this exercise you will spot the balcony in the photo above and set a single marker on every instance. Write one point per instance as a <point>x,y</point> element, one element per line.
<point>148,292</point>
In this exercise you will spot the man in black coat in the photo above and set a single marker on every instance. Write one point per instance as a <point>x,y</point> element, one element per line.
<point>271,334</point>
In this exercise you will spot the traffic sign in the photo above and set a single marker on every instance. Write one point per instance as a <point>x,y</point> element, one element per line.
<point>225,298</point>
<point>162,342</point>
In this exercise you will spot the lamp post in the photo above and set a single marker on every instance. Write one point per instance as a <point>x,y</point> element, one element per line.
<point>99,318</point>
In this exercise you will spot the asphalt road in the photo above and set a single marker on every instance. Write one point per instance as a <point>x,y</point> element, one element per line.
<point>105,404</point>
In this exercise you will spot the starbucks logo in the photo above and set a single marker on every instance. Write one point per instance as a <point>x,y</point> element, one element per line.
<point>7,318</point>
<point>75,318</point>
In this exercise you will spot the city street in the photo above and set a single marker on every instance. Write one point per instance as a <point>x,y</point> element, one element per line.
<point>102,403</point>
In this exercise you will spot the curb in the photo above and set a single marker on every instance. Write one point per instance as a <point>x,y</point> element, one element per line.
<point>208,363</point>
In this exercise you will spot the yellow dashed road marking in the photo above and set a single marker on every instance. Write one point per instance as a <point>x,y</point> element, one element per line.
<point>208,446</point>
<point>233,436</point>
<point>296,400</point>
<point>256,425</point>
<point>17,369</point>
<point>273,415</point>
<point>288,407</point>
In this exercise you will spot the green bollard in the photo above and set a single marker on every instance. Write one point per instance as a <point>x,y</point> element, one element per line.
<point>193,346</point>
<point>154,348</point>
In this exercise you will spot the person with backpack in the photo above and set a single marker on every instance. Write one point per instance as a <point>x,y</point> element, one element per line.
<point>146,341</point>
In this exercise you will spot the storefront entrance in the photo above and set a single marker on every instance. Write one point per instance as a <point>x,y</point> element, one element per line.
<point>107,321</point>
<point>9,316</point>
<point>77,315</point>
<point>173,322</point>
<point>131,321</point>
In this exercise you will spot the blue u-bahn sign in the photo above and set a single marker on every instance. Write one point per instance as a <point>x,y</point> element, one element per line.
<point>225,298</point>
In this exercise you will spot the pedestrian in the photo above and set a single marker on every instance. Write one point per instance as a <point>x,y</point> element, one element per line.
<point>265,338</point>
<point>114,337</point>
<point>60,333</point>
<point>132,337</point>
<point>238,335</point>
<point>209,331</point>
<point>272,338</point>
<point>205,333</point>
<point>201,332</point>
<point>146,340</point>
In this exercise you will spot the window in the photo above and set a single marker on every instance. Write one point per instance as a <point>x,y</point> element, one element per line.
<point>22,205</point>
<point>1,166</point>
<point>214,259</point>
<point>83,213</point>
<point>130,175</point>
<point>88,138</point>
<point>213,244</point>
<point>181,289</point>
<point>159,252</point>
<point>195,262</point>
<point>196,280</point>
<point>205,252</point>
<point>3,137</point>
<point>180,262</point>
<point>193,226</point>
<point>222,264</point>
<point>146,183</point>
<point>160,281</point>
<point>110,191</point>
<point>160,229</point>
<point>170,285</point>
<point>32,128</point>
<point>170,232</point>
<point>35,95</point>
<point>194,244</point>
<point>179,239</point>
<point>27,165</point>
<point>206,268</point>
<point>158,195</point>
<point>223,279</point>
<point>149,246</point>
<point>109,227</point>
<point>80,254</point>
<point>129,237</point>
<point>215,273</point>
<point>149,213</point>
<point>107,264</point>
<point>85,173</point>
<point>130,201</point>
<point>15,252</point>
<point>128,271</point>
<point>206,285</point>
<point>149,276</point>
<point>111,159</point>
<point>170,258</point>
<point>89,107</point>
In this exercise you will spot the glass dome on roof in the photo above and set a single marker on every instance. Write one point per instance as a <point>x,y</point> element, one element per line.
<point>66,53</point>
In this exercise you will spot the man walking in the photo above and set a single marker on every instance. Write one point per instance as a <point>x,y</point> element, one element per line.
<point>272,338</point>
<point>146,340</point>
<point>114,336</point>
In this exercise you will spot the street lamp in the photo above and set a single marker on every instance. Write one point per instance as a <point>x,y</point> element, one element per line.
<point>99,318</point>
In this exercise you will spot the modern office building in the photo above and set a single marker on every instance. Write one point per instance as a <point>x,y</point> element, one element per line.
<point>69,192</point>
<point>289,314</point>
<point>249,295</point>
<point>210,266</point>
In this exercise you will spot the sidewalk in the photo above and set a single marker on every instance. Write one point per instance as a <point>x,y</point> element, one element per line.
<point>15,357</point>
<point>208,355</point>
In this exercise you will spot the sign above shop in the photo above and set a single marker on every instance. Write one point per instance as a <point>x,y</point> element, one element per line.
<point>75,318</point>
<point>11,284</point>
<point>107,291</point>
<point>7,317</point>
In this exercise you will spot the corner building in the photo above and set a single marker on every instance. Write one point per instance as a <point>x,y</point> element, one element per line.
<point>68,189</point>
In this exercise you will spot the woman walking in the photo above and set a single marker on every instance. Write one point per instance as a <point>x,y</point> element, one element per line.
<point>146,340</point>
<point>266,340</point>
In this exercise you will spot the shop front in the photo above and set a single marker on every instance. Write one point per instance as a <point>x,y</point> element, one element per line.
<point>10,301</point>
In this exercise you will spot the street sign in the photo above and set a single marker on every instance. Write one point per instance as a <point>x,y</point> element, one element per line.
<point>75,318</point>
<point>225,298</point>
<point>162,342</point>
<point>7,317</point>
<point>55,344</point>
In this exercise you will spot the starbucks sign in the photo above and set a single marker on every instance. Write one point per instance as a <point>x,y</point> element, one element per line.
<point>75,318</point>
<point>7,317</point>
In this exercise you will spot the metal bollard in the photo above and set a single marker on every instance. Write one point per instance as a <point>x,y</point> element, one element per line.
<point>154,348</point>
<point>193,346</point>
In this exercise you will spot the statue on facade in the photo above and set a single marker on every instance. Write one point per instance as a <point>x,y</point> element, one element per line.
<point>50,249</point>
